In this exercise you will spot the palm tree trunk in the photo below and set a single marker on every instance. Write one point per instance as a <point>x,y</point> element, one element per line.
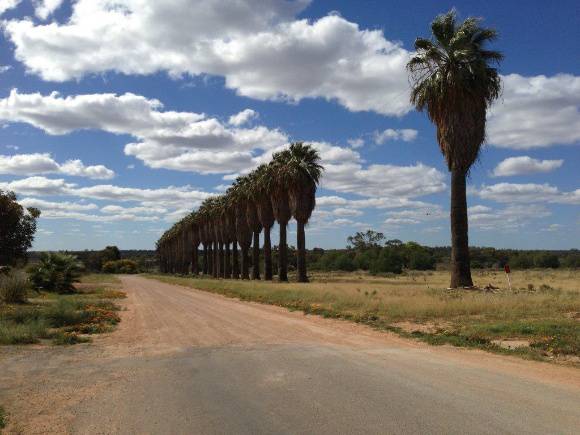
<point>216,260</point>
<point>256,256</point>
<point>460,266</point>
<point>245,263</point>
<point>210,259</point>
<point>267,254</point>
<point>283,254</point>
<point>301,253</point>
<point>227,262</point>
<point>205,259</point>
<point>194,270</point>
<point>235,261</point>
<point>222,273</point>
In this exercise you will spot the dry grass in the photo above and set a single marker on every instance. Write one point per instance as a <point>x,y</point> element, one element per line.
<point>543,306</point>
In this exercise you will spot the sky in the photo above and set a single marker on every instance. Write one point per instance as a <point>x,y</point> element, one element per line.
<point>118,117</point>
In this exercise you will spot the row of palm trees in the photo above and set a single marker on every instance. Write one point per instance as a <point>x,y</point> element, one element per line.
<point>284,188</point>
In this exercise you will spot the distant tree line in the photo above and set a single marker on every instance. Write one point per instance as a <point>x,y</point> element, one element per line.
<point>369,251</point>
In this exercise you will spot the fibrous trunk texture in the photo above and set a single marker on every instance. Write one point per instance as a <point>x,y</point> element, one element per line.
<point>282,254</point>
<point>460,264</point>
<point>267,254</point>
<point>256,256</point>
<point>301,253</point>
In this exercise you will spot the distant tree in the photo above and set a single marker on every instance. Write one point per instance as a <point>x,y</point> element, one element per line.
<point>545,259</point>
<point>388,261</point>
<point>17,228</point>
<point>362,241</point>
<point>111,253</point>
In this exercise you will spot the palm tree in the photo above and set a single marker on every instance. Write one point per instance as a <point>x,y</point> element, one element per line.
<point>281,207</point>
<point>261,196</point>
<point>301,172</point>
<point>243,231</point>
<point>254,223</point>
<point>454,81</point>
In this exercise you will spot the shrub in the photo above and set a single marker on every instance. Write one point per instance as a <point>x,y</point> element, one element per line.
<point>56,272</point>
<point>388,261</point>
<point>65,313</point>
<point>13,287</point>
<point>120,266</point>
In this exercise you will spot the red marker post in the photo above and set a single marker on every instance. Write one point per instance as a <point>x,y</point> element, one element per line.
<point>506,268</point>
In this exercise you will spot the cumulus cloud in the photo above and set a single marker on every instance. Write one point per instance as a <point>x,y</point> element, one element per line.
<point>525,165</point>
<point>356,143</point>
<point>262,52</point>
<point>45,8</point>
<point>243,117</point>
<point>46,206</point>
<point>528,193</point>
<point>509,218</point>
<point>182,141</point>
<point>405,134</point>
<point>168,196</point>
<point>37,164</point>
<point>384,180</point>
<point>535,112</point>
<point>7,5</point>
<point>415,216</point>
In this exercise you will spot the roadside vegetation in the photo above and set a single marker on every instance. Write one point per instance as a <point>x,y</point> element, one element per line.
<point>58,311</point>
<point>539,318</point>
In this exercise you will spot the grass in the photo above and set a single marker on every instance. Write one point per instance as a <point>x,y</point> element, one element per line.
<point>543,307</point>
<point>63,319</point>
<point>3,418</point>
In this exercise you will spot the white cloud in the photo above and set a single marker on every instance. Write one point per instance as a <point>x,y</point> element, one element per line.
<point>37,164</point>
<point>262,51</point>
<point>384,180</point>
<point>182,141</point>
<point>510,218</point>
<point>525,165</point>
<point>7,5</point>
<point>536,111</point>
<point>527,193</point>
<point>415,216</point>
<point>552,228</point>
<point>5,68</point>
<point>52,206</point>
<point>161,197</point>
<point>405,134</point>
<point>343,211</point>
<point>45,8</point>
<point>243,117</point>
<point>356,143</point>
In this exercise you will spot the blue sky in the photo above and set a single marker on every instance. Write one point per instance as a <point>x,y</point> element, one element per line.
<point>118,117</point>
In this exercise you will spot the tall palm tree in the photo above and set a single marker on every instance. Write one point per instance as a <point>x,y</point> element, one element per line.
<point>261,196</point>
<point>254,223</point>
<point>301,172</point>
<point>278,191</point>
<point>454,80</point>
<point>243,231</point>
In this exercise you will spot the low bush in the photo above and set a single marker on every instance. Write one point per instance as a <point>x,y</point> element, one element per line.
<point>13,287</point>
<point>120,266</point>
<point>56,272</point>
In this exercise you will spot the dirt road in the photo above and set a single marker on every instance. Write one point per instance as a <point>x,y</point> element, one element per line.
<point>186,361</point>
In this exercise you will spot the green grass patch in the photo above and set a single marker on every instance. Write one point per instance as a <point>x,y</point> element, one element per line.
<point>62,318</point>
<point>3,418</point>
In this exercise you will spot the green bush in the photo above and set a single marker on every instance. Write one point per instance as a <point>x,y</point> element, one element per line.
<point>387,262</point>
<point>120,266</point>
<point>56,272</point>
<point>13,287</point>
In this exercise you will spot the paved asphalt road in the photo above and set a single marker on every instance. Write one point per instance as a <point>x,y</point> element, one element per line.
<point>189,362</point>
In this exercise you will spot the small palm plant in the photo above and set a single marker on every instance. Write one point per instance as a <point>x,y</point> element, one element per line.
<point>454,80</point>
<point>56,272</point>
